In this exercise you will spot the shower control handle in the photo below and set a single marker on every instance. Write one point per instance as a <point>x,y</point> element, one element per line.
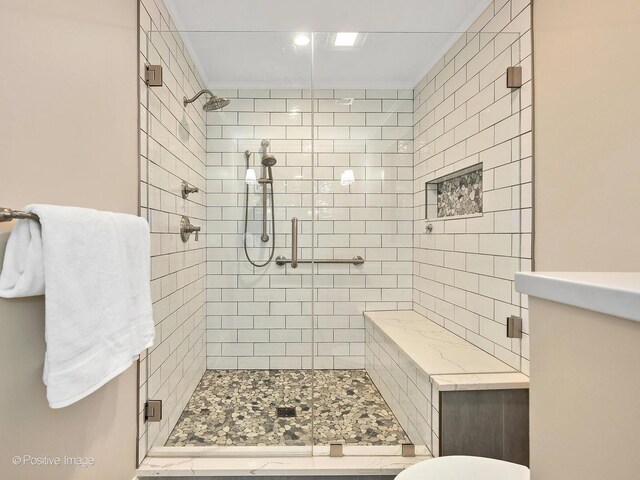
<point>294,242</point>
<point>186,229</point>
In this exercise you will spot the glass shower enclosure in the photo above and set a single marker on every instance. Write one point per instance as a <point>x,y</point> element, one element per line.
<point>312,192</point>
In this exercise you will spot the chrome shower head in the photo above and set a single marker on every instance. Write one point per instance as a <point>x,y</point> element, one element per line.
<point>214,103</point>
<point>268,160</point>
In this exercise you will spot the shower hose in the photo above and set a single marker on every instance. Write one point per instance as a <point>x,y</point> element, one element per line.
<point>273,224</point>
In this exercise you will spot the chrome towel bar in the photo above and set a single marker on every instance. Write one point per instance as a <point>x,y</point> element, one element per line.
<point>358,260</point>
<point>6,215</point>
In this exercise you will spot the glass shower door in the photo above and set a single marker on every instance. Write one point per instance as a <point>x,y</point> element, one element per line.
<point>232,363</point>
<point>394,112</point>
<point>363,180</point>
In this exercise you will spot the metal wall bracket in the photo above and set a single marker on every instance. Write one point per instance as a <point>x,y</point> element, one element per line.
<point>408,450</point>
<point>335,450</point>
<point>186,189</point>
<point>514,327</point>
<point>514,77</point>
<point>153,411</point>
<point>153,75</point>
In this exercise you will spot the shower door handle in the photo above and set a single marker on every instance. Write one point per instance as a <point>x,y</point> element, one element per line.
<point>294,242</point>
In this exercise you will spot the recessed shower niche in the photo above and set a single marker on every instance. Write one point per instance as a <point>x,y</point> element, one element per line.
<point>457,195</point>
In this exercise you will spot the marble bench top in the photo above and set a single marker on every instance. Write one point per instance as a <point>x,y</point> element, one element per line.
<point>451,361</point>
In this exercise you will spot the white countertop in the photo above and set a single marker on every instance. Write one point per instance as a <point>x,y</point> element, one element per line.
<point>611,293</point>
<point>434,349</point>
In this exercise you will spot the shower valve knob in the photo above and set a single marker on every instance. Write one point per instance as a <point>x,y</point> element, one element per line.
<point>186,229</point>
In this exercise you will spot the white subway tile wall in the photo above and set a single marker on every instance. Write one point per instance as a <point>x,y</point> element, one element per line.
<point>405,387</point>
<point>464,114</point>
<point>261,317</point>
<point>172,143</point>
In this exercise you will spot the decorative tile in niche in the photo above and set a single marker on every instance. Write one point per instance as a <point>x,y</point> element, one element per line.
<point>456,195</point>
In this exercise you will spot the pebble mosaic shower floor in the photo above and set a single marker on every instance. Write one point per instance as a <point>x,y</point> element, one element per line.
<point>238,408</point>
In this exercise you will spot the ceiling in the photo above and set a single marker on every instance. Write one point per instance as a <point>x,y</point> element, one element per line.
<point>249,43</point>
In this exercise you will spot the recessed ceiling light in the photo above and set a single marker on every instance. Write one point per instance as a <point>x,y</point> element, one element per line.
<point>301,39</point>
<point>346,39</point>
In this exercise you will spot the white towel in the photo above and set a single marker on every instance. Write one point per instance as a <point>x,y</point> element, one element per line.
<point>94,269</point>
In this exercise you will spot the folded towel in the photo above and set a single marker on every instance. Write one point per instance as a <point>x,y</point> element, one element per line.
<point>94,269</point>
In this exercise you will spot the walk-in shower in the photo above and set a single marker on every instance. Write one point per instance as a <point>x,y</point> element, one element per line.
<point>266,311</point>
<point>266,181</point>
<point>214,103</point>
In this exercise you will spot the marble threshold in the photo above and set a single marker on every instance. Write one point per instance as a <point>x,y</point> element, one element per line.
<point>276,466</point>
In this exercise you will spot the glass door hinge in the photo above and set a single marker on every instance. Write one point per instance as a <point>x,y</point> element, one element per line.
<point>514,77</point>
<point>514,327</point>
<point>153,75</point>
<point>153,411</point>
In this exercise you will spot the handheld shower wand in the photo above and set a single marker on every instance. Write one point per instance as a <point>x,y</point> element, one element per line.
<point>266,180</point>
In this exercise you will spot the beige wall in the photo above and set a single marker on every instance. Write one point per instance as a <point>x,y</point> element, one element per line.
<point>585,386</point>
<point>68,135</point>
<point>585,381</point>
<point>587,135</point>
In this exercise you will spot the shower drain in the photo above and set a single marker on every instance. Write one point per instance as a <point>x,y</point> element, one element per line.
<point>286,412</point>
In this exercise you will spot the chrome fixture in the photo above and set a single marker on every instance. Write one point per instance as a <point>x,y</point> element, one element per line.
<point>153,410</point>
<point>187,189</point>
<point>295,261</point>
<point>294,243</point>
<point>408,450</point>
<point>357,260</point>
<point>214,103</point>
<point>6,215</point>
<point>514,327</point>
<point>266,180</point>
<point>428,228</point>
<point>186,229</point>
<point>268,161</point>
<point>514,77</point>
<point>335,450</point>
<point>153,75</point>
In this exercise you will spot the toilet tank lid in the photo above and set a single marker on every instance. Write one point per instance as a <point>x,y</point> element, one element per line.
<point>456,467</point>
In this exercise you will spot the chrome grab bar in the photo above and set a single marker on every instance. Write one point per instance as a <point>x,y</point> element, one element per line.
<point>358,260</point>
<point>294,243</point>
